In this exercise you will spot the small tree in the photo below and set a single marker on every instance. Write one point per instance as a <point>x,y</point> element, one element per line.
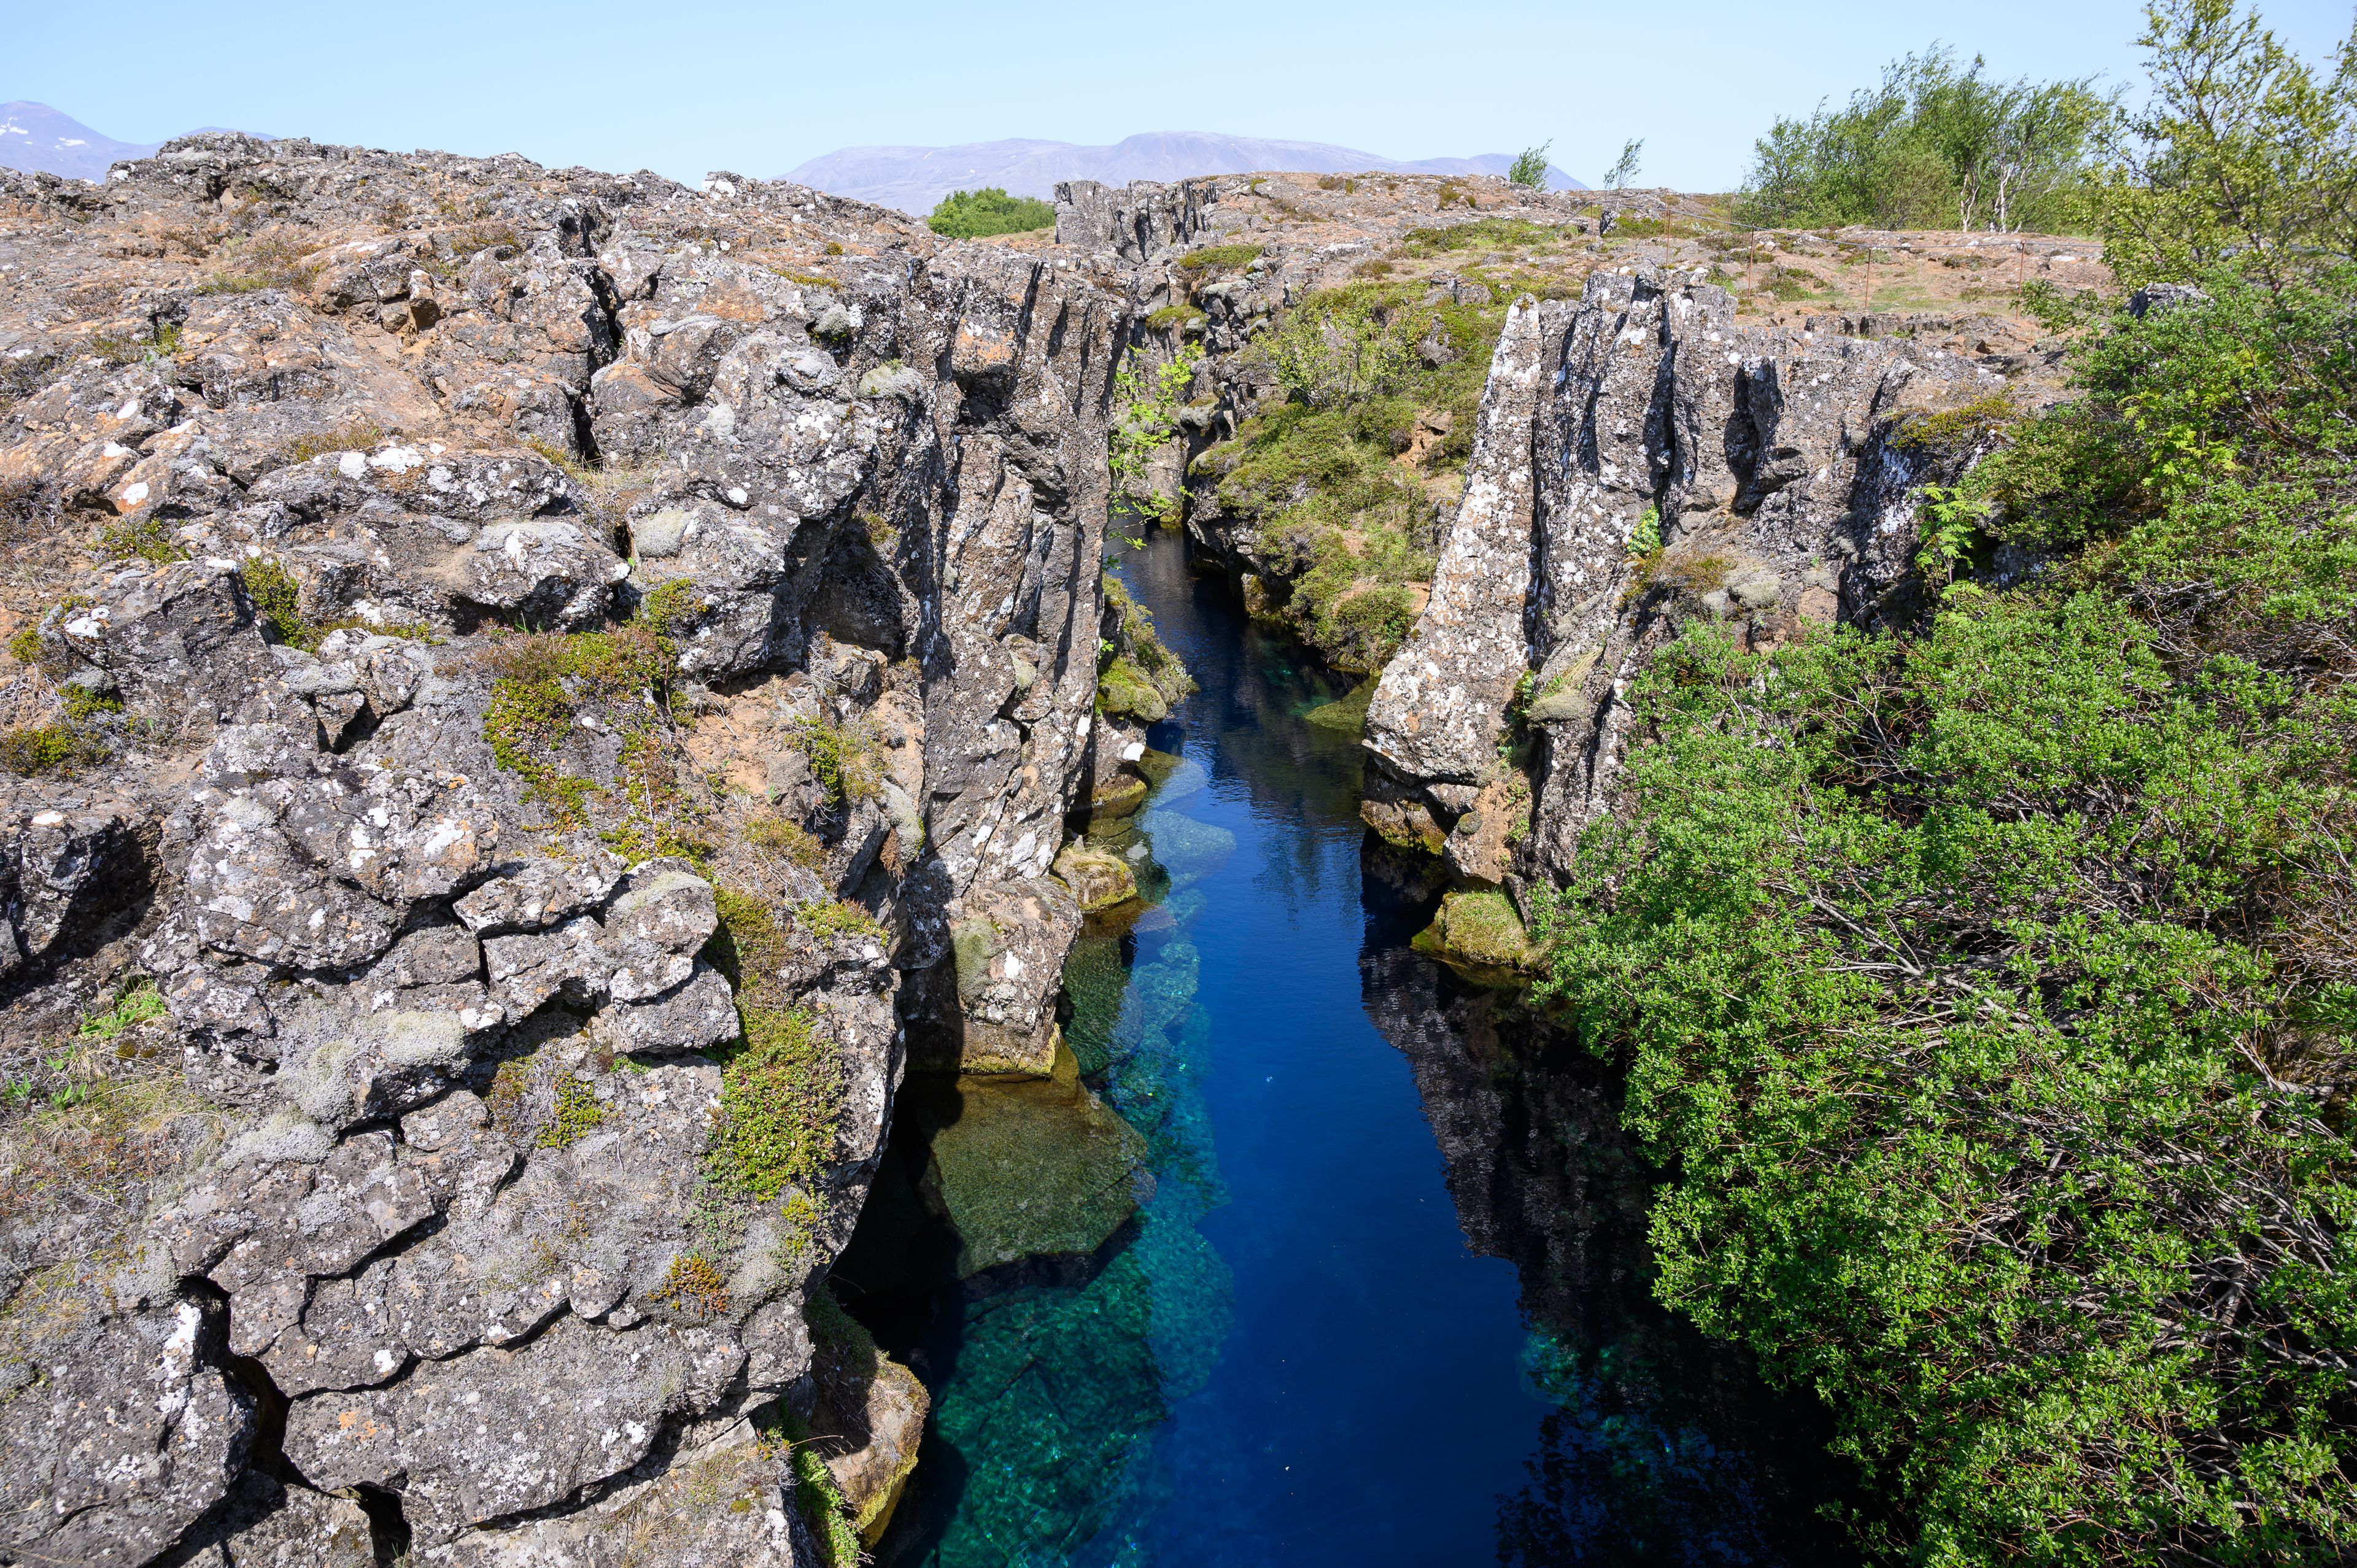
<point>1149,400</point>
<point>1531,168</point>
<point>1624,167</point>
<point>2242,151</point>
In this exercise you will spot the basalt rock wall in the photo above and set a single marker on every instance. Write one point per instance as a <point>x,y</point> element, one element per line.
<point>1640,461</point>
<point>380,1207</point>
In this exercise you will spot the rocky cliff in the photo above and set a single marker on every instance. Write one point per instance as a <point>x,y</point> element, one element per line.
<point>1671,424</point>
<point>531,692</point>
<point>1641,460</point>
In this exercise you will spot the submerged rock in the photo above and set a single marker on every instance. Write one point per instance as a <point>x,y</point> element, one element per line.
<point>1036,1168</point>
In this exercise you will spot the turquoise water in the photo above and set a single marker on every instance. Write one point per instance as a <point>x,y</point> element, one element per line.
<point>1383,1297</point>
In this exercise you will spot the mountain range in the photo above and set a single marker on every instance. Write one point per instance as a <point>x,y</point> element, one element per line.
<point>914,178</point>
<point>33,136</point>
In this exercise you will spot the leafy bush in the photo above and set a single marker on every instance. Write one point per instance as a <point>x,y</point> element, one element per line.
<point>2243,150</point>
<point>277,601</point>
<point>31,749</point>
<point>1149,401</point>
<point>973,214</point>
<point>144,539</point>
<point>1987,988</point>
<point>1337,349</point>
<point>1530,169</point>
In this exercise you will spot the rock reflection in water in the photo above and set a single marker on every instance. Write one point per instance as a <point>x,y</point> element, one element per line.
<point>1662,1447</point>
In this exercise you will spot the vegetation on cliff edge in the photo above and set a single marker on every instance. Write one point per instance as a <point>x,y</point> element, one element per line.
<point>1986,983</point>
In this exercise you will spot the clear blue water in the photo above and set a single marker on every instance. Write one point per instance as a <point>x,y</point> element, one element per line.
<point>1385,1302</point>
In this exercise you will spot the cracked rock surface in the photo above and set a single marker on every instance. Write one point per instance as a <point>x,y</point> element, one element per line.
<point>517,644</point>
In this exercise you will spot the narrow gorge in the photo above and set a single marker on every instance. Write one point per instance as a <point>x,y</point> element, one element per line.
<point>689,877</point>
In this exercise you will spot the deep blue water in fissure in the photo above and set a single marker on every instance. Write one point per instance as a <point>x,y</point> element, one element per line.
<point>1385,1303</point>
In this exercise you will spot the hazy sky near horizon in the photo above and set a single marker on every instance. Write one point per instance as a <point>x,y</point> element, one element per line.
<point>692,86</point>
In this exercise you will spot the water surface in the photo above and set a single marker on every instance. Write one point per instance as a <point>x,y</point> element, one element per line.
<point>1385,1298</point>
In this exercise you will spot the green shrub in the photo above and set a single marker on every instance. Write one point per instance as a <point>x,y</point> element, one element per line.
<point>1984,989</point>
<point>974,214</point>
<point>843,758</point>
<point>578,1110</point>
<point>277,601</point>
<point>144,539</point>
<point>1220,258</point>
<point>31,749</point>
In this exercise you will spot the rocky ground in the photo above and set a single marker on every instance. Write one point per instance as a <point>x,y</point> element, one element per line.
<point>529,695</point>
<point>532,697</point>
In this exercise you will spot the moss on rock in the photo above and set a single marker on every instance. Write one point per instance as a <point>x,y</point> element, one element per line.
<point>1480,930</point>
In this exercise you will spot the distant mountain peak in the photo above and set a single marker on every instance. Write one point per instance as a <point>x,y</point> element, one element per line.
<point>33,136</point>
<point>915,179</point>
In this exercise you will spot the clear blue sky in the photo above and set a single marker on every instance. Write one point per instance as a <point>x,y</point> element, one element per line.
<point>687,86</point>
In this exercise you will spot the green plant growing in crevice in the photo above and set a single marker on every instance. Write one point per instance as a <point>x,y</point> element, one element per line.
<point>577,1112</point>
<point>843,758</point>
<point>1149,400</point>
<point>34,750</point>
<point>1345,522</point>
<point>356,435</point>
<point>620,678</point>
<point>1136,673</point>
<point>144,539</point>
<point>277,602</point>
<point>693,1289</point>
<point>1337,348</point>
<point>781,835</point>
<point>816,1494</point>
<point>141,1002</point>
<point>830,919</point>
<point>781,1086</point>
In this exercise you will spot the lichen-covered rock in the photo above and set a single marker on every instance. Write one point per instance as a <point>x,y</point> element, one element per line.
<point>494,1432</point>
<point>1480,928</point>
<point>1098,880</point>
<point>129,1432</point>
<point>1682,464</point>
<point>481,559</point>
